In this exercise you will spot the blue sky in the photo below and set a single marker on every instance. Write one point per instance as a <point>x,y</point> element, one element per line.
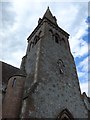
<point>20,18</point>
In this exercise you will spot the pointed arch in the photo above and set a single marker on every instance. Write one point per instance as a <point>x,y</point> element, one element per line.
<point>57,38</point>
<point>51,33</point>
<point>63,41</point>
<point>39,34</point>
<point>36,39</point>
<point>65,115</point>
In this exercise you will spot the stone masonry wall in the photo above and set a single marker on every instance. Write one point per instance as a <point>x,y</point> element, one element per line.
<point>54,89</point>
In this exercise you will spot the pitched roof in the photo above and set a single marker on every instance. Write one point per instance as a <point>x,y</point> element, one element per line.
<point>8,71</point>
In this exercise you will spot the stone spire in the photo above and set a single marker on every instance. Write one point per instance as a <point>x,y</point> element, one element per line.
<point>48,13</point>
<point>49,16</point>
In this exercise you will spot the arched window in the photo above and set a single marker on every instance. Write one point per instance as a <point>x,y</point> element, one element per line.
<point>57,39</point>
<point>51,34</point>
<point>13,82</point>
<point>63,41</point>
<point>65,115</point>
<point>36,39</point>
<point>31,44</point>
<point>39,33</point>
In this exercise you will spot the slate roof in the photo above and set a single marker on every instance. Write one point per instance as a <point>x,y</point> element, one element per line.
<point>8,71</point>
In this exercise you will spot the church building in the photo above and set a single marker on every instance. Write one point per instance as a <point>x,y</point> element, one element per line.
<point>47,84</point>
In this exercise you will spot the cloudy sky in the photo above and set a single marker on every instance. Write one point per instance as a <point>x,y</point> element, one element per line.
<point>19,18</point>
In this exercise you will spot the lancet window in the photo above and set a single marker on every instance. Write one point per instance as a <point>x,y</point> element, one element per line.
<point>57,38</point>
<point>13,82</point>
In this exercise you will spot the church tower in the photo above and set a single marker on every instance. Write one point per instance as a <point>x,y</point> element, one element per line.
<point>51,87</point>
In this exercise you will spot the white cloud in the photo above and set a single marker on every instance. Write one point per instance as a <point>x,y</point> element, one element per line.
<point>84,75</point>
<point>84,65</point>
<point>16,57</point>
<point>80,74</point>
<point>79,47</point>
